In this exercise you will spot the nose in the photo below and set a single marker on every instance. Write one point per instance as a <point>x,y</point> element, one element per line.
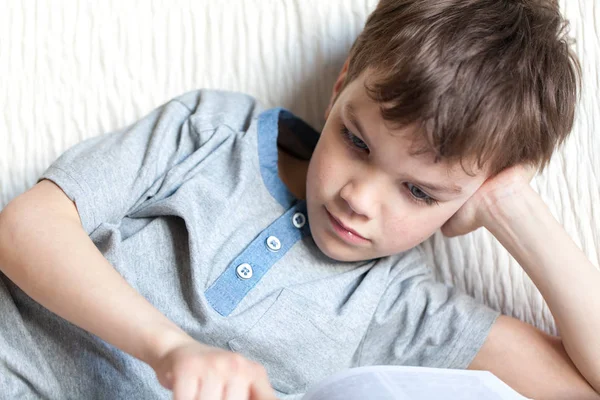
<point>361,195</point>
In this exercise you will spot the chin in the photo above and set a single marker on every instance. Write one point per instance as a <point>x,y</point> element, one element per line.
<point>337,251</point>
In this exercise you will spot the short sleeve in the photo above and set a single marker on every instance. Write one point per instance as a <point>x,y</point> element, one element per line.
<point>109,175</point>
<point>422,322</point>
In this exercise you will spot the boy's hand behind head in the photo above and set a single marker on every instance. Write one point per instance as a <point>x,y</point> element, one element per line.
<point>472,214</point>
<point>193,371</point>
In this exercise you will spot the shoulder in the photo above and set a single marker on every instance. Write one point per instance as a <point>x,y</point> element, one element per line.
<point>411,264</point>
<point>421,321</point>
<point>407,273</point>
<point>210,108</point>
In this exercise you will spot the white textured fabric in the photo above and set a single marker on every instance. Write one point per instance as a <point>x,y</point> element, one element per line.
<point>74,69</point>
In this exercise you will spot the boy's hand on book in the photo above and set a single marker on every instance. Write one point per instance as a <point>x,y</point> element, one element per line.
<point>472,214</point>
<point>193,371</point>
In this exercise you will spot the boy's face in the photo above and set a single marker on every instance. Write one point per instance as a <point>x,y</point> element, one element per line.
<point>367,196</point>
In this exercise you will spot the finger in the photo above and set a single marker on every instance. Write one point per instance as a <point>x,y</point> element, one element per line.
<point>260,391</point>
<point>211,388</point>
<point>237,389</point>
<point>260,388</point>
<point>185,387</point>
<point>450,230</point>
<point>447,230</point>
<point>166,379</point>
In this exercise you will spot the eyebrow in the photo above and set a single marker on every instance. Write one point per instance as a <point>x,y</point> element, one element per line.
<point>437,188</point>
<point>349,111</point>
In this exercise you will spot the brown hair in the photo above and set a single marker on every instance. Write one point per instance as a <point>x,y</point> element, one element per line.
<point>490,80</point>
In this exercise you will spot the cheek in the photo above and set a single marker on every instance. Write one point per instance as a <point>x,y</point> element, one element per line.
<point>314,177</point>
<point>405,234</point>
<point>413,226</point>
<point>324,172</point>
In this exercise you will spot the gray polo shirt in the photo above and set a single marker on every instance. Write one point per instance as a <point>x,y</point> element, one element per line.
<point>187,205</point>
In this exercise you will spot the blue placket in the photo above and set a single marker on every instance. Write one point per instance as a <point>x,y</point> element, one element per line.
<point>246,270</point>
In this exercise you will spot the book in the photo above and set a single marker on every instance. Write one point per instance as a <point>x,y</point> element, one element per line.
<point>411,383</point>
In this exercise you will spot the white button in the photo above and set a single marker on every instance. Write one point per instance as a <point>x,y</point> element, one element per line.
<point>299,220</point>
<point>244,271</point>
<point>273,243</point>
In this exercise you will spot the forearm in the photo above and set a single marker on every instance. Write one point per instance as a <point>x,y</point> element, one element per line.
<point>566,279</point>
<point>52,259</point>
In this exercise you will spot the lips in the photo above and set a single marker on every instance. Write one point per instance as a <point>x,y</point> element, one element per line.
<point>345,227</point>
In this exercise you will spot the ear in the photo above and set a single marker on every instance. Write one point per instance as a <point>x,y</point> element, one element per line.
<point>337,87</point>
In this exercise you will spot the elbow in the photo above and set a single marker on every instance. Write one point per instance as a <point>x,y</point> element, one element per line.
<point>593,377</point>
<point>9,217</point>
<point>595,385</point>
<point>588,374</point>
<point>16,222</point>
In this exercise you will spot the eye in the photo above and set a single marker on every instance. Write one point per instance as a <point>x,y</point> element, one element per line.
<point>353,140</point>
<point>420,196</point>
<point>415,191</point>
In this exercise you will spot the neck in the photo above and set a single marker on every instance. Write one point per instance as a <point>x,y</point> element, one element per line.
<point>292,171</point>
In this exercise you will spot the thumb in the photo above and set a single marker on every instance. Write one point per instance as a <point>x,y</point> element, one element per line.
<point>449,228</point>
<point>461,223</point>
<point>166,379</point>
<point>453,229</point>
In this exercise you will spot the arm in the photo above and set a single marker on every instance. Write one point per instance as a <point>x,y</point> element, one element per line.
<point>539,365</point>
<point>566,279</point>
<point>532,362</point>
<point>46,252</point>
<point>35,230</point>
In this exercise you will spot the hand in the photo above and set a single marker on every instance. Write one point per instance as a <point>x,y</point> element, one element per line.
<point>470,216</point>
<point>196,371</point>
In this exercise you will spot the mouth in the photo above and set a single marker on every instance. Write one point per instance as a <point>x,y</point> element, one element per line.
<point>344,232</point>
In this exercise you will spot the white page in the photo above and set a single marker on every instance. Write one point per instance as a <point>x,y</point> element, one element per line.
<point>411,383</point>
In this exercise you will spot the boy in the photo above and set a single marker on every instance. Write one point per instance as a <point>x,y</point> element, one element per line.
<point>225,249</point>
